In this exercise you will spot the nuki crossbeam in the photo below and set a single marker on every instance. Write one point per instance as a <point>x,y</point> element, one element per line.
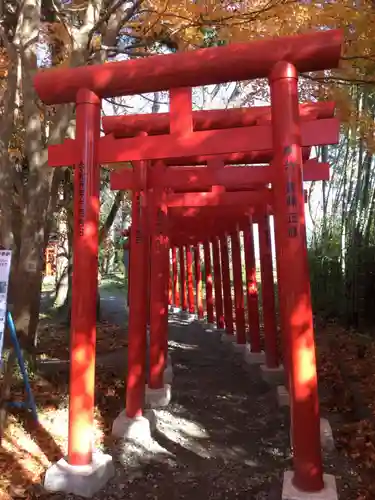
<point>236,178</point>
<point>207,142</point>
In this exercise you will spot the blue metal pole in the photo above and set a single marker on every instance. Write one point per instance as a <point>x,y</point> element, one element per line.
<point>30,397</point>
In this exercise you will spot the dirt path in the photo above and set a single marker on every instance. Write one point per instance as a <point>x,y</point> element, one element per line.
<point>222,437</point>
<point>112,307</point>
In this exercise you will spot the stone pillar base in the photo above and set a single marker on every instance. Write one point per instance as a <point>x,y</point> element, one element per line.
<point>134,429</point>
<point>158,398</point>
<point>283,397</point>
<point>168,375</point>
<point>290,492</point>
<point>82,480</point>
<point>227,338</point>
<point>254,358</point>
<point>239,348</point>
<point>273,376</point>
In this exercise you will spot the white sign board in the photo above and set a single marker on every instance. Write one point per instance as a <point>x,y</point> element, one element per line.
<point>5,261</point>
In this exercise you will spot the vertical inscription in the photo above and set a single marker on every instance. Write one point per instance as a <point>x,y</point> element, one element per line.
<point>81,200</point>
<point>138,229</point>
<point>159,227</point>
<point>290,164</point>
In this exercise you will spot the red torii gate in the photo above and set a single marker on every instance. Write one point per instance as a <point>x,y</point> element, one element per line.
<point>279,60</point>
<point>190,235</point>
<point>213,223</point>
<point>202,179</point>
<point>197,222</point>
<point>164,177</point>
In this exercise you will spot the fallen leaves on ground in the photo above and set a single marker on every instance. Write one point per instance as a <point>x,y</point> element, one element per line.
<point>54,340</point>
<point>346,366</point>
<point>29,448</point>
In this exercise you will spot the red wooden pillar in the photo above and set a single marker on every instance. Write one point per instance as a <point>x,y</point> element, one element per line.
<point>148,264</point>
<point>251,287</point>
<point>282,311</point>
<point>238,288</point>
<point>183,279</point>
<point>219,309</point>
<point>170,281</point>
<point>128,295</point>
<point>189,272</point>
<point>268,292</point>
<point>176,292</point>
<point>136,379</point>
<point>139,307</point>
<point>208,282</point>
<point>294,275</point>
<point>159,285</point>
<point>85,281</point>
<point>198,281</point>
<point>227,293</point>
<point>170,291</point>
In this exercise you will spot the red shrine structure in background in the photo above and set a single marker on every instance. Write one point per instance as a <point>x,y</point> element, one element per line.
<point>186,193</point>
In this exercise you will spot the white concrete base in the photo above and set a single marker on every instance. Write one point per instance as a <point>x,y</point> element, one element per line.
<point>226,338</point>
<point>82,480</point>
<point>326,435</point>
<point>253,358</point>
<point>168,361</point>
<point>210,326</point>
<point>240,348</point>
<point>283,397</point>
<point>134,429</point>
<point>273,376</point>
<point>168,375</point>
<point>158,398</point>
<point>290,492</point>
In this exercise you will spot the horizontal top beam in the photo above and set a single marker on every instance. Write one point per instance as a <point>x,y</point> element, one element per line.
<point>234,62</point>
<point>158,123</point>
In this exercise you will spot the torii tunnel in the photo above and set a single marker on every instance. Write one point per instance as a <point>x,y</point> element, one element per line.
<point>279,136</point>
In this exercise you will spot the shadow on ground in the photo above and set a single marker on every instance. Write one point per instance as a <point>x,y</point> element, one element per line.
<point>221,437</point>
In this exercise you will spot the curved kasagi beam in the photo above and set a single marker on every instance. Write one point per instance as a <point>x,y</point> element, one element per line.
<point>234,62</point>
<point>159,123</point>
